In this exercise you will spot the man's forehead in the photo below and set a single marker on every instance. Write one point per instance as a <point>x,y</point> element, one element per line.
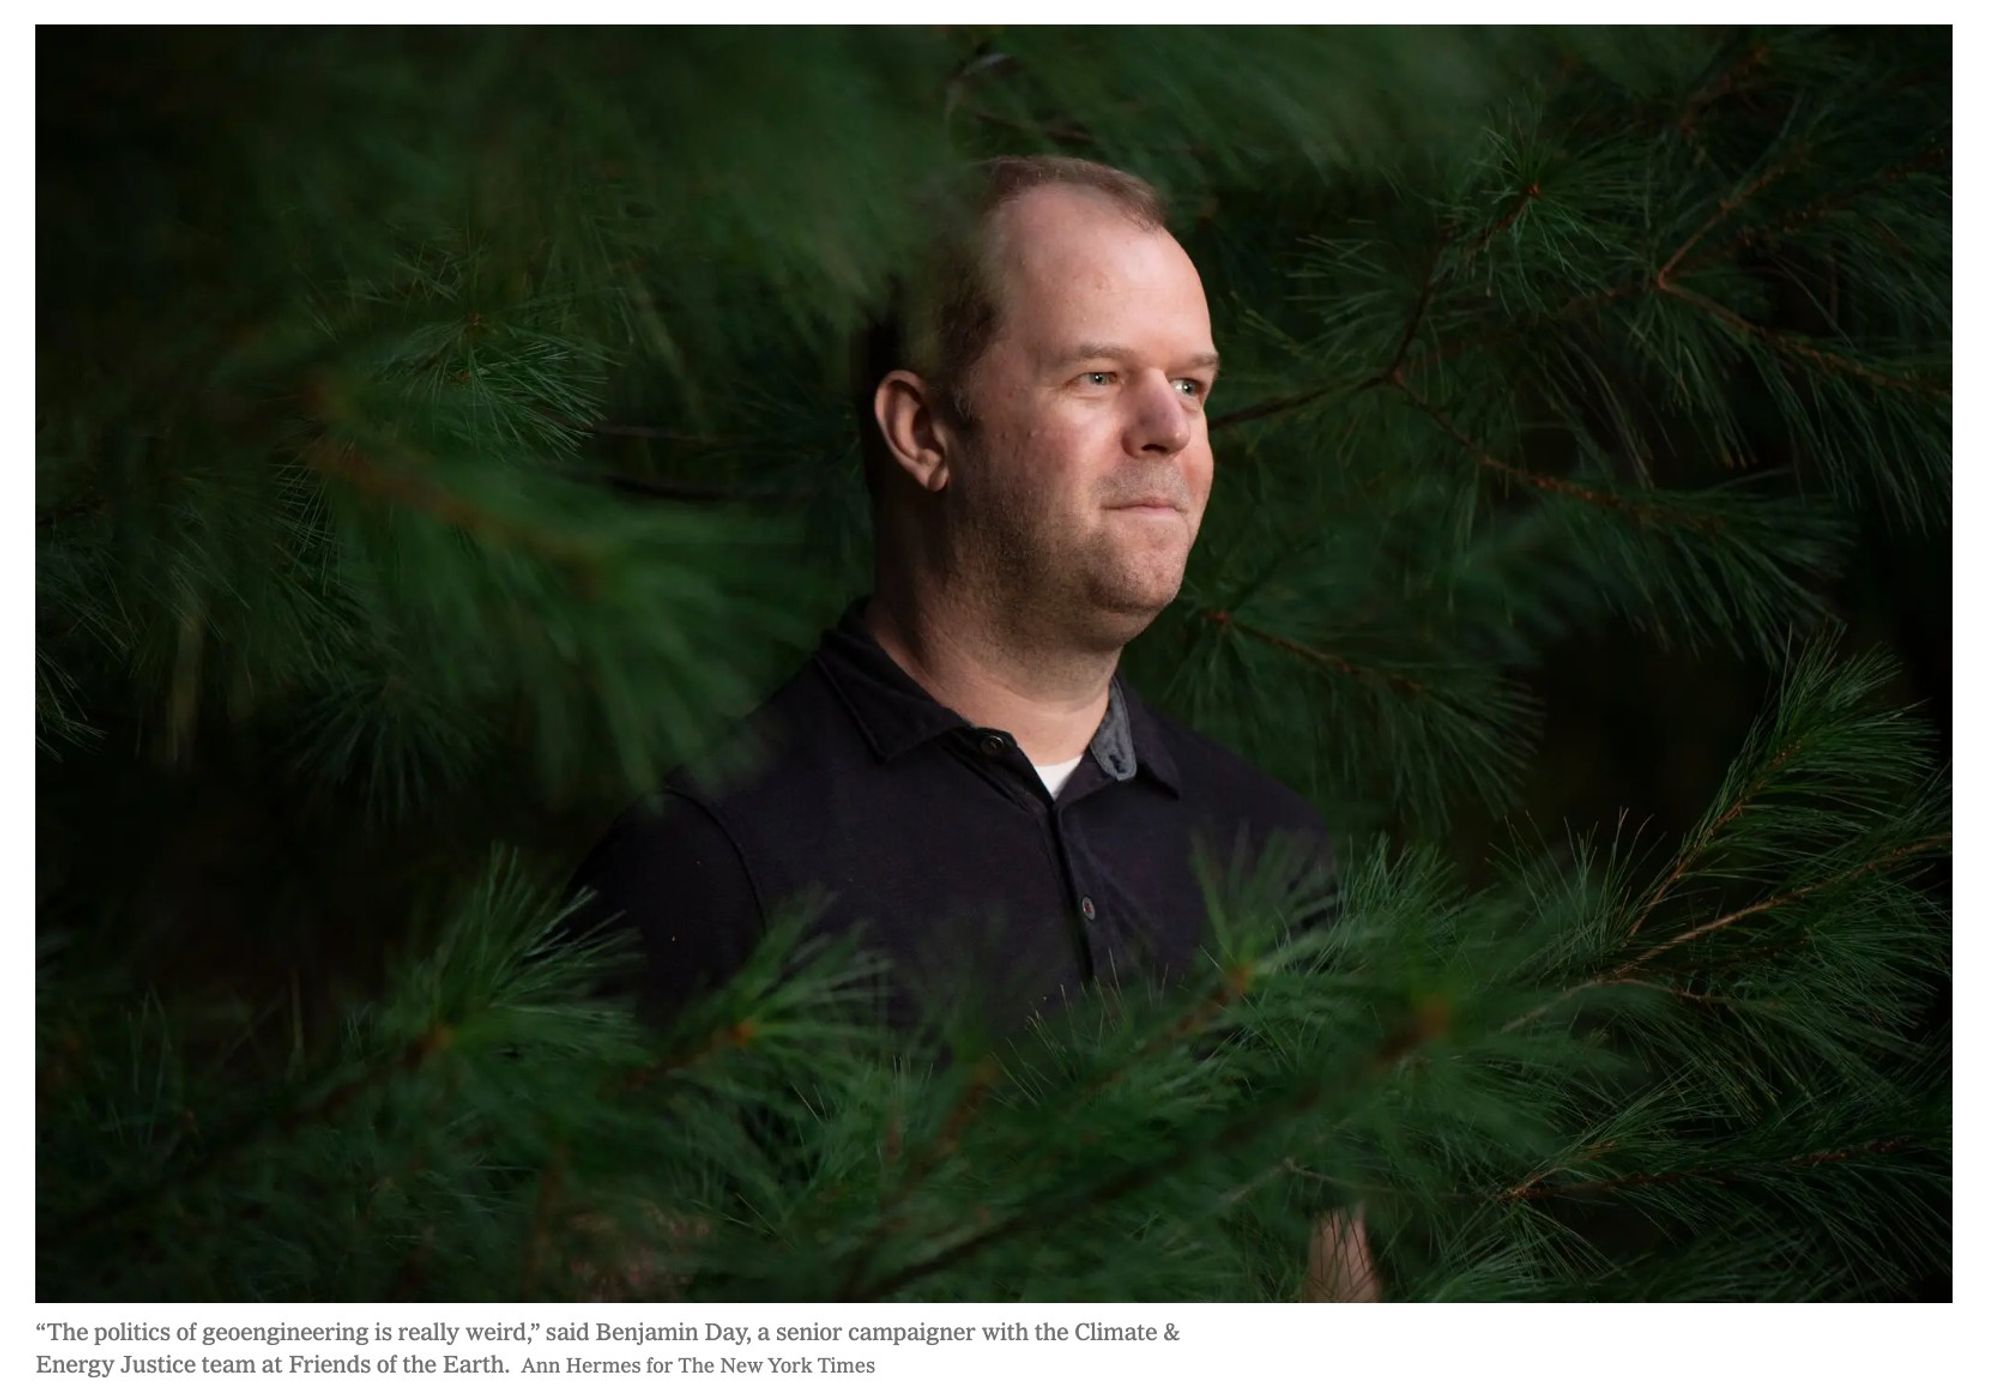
<point>1044,227</point>
<point>1068,252</point>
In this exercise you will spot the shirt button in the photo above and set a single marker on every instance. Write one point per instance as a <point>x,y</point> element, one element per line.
<point>1089,908</point>
<point>993,745</point>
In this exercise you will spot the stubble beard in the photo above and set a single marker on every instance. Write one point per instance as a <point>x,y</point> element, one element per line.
<point>1040,571</point>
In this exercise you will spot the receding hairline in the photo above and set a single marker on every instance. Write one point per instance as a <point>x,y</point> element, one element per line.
<point>998,228</point>
<point>1014,181</point>
<point>999,241</point>
<point>1010,178</point>
<point>1141,217</point>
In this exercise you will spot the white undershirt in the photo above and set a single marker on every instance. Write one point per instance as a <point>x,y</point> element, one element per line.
<point>1056,773</point>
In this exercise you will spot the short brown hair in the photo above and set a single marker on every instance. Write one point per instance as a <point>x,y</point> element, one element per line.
<point>940,321</point>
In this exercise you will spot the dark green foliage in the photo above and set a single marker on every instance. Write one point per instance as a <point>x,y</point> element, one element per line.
<point>441,433</point>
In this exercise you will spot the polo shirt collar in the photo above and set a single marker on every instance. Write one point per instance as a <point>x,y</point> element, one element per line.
<point>895,713</point>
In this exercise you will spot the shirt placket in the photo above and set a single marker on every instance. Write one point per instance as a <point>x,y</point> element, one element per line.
<point>1084,907</point>
<point>1087,903</point>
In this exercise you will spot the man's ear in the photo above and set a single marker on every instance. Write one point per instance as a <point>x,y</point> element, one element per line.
<point>919,440</point>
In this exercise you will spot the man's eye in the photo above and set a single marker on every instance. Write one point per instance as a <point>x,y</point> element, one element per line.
<point>1192,388</point>
<point>1096,378</point>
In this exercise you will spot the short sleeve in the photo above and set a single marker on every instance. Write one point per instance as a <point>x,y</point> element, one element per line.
<point>669,869</point>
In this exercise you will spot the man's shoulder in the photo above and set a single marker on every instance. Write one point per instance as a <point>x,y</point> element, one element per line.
<point>710,810</point>
<point>782,742</point>
<point>1218,778</point>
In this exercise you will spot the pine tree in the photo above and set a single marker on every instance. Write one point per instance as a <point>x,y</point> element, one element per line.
<point>441,434</point>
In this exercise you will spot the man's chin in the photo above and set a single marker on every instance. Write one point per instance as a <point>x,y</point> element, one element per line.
<point>1122,610</point>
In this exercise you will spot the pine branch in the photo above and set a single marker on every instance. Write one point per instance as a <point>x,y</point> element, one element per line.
<point>260,1128</point>
<point>1528,195</point>
<point>1645,511</point>
<point>1666,280</point>
<point>1781,900</point>
<point>1232,989</point>
<point>1537,1189</point>
<point>1265,409</point>
<point>1595,1150</point>
<point>1624,973</point>
<point>979,1084</point>
<point>1228,621</point>
<point>1799,347</point>
<point>1706,96</point>
<point>1684,994</point>
<point>1818,209</point>
<point>1233,986</point>
<point>1730,205</point>
<point>1583,303</point>
<point>349,464</point>
<point>736,1036</point>
<point>1693,853</point>
<point>1393,372</point>
<point>1425,1025</point>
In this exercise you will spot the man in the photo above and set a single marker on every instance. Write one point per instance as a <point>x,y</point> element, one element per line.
<point>959,763</point>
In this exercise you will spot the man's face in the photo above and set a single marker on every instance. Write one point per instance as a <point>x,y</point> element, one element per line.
<point>1082,484</point>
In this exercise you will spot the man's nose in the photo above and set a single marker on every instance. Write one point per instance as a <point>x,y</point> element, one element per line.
<point>1160,420</point>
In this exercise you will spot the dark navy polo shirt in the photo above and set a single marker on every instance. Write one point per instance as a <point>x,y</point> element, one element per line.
<point>935,842</point>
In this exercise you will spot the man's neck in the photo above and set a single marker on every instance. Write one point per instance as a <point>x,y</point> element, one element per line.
<point>1049,695</point>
